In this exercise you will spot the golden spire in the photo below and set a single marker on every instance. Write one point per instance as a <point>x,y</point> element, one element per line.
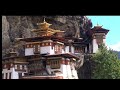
<point>45,30</point>
<point>44,20</point>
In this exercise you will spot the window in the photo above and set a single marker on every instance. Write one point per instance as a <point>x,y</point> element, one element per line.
<point>99,39</point>
<point>27,46</point>
<point>55,48</point>
<point>15,66</point>
<point>21,67</point>
<point>11,65</point>
<point>46,44</point>
<point>25,67</point>
<point>58,49</point>
<point>76,49</point>
<point>69,48</point>
<point>42,44</point>
<point>8,66</point>
<point>36,49</point>
<point>10,75</point>
<point>6,75</point>
<point>31,46</point>
<point>20,75</point>
<point>5,66</point>
<point>55,64</point>
<point>18,67</point>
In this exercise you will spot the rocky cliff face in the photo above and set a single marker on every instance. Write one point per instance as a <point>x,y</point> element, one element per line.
<point>5,35</point>
<point>20,26</point>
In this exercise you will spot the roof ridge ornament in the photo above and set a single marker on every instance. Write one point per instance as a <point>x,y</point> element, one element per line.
<point>44,20</point>
<point>98,26</point>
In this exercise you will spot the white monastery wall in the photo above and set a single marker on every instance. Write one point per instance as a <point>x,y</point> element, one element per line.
<point>67,49</point>
<point>95,46</point>
<point>46,49</point>
<point>14,74</point>
<point>29,51</point>
<point>72,49</point>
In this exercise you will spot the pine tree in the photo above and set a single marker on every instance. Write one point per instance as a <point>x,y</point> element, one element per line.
<point>107,65</point>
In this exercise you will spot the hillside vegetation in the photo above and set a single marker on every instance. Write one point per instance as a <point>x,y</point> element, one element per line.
<point>107,65</point>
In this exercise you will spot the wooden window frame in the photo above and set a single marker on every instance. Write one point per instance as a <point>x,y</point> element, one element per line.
<point>25,67</point>
<point>20,75</point>
<point>99,39</point>
<point>6,77</point>
<point>10,75</point>
<point>9,66</point>
<point>36,48</point>
<point>16,66</point>
<point>70,48</point>
<point>55,64</point>
<point>21,67</point>
<point>58,48</point>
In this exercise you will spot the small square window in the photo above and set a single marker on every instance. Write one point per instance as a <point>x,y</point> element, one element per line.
<point>20,66</point>
<point>55,64</point>
<point>25,67</point>
<point>6,75</point>
<point>15,66</point>
<point>27,46</point>
<point>10,75</point>
<point>46,44</point>
<point>20,75</point>
<point>42,44</point>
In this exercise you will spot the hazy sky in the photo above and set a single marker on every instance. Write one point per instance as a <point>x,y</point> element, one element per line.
<point>111,23</point>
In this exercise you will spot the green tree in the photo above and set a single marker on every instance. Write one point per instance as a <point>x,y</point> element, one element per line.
<point>107,65</point>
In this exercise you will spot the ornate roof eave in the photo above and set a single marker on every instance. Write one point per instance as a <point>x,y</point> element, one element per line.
<point>66,55</point>
<point>73,38</point>
<point>6,58</point>
<point>21,62</point>
<point>43,38</point>
<point>49,29</point>
<point>44,23</point>
<point>100,31</point>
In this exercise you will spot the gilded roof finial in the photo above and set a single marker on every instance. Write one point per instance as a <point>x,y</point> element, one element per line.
<point>98,26</point>
<point>44,20</point>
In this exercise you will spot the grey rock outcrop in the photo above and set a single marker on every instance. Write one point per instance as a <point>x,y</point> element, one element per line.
<point>20,26</point>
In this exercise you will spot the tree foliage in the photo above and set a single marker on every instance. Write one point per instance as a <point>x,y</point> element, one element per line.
<point>107,65</point>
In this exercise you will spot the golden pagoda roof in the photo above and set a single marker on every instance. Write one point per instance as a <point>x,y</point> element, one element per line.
<point>49,29</point>
<point>44,28</point>
<point>44,23</point>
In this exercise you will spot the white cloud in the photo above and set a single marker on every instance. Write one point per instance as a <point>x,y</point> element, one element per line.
<point>115,46</point>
